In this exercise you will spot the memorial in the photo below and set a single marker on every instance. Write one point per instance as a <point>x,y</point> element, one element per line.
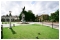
<point>23,17</point>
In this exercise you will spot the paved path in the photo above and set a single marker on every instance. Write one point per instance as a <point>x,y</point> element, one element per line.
<point>55,25</point>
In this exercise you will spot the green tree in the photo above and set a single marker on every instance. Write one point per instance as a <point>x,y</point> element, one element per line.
<point>29,16</point>
<point>54,16</point>
<point>57,15</point>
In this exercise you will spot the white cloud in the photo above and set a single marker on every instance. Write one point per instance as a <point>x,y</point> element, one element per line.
<point>38,7</point>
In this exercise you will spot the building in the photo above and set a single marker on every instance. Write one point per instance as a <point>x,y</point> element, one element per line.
<point>43,17</point>
<point>6,18</point>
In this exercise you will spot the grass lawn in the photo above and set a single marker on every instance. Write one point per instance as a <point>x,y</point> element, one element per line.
<point>32,31</point>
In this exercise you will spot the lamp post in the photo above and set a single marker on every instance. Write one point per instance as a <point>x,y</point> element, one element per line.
<point>5,18</point>
<point>10,18</point>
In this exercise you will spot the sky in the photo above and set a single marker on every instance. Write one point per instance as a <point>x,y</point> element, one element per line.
<point>37,7</point>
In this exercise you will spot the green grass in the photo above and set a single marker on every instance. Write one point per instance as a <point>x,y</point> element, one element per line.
<point>31,32</point>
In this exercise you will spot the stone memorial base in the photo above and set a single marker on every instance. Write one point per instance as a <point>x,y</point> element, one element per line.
<point>25,23</point>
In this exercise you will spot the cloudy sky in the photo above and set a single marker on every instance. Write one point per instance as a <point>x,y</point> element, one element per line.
<point>37,7</point>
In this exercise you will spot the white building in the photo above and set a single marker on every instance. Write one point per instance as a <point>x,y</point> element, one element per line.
<point>6,18</point>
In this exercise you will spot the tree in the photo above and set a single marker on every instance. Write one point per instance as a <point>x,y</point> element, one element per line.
<point>54,16</point>
<point>29,16</point>
<point>2,19</point>
<point>57,15</point>
<point>37,18</point>
<point>7,15</point>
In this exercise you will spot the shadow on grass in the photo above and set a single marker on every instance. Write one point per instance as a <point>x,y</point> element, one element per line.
<point>12,31</point>
<point>37,38</point>
<point>39,34</point>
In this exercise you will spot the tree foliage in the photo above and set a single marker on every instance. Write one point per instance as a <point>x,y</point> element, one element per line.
<point>29,16</point>
<point>54,16</point>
